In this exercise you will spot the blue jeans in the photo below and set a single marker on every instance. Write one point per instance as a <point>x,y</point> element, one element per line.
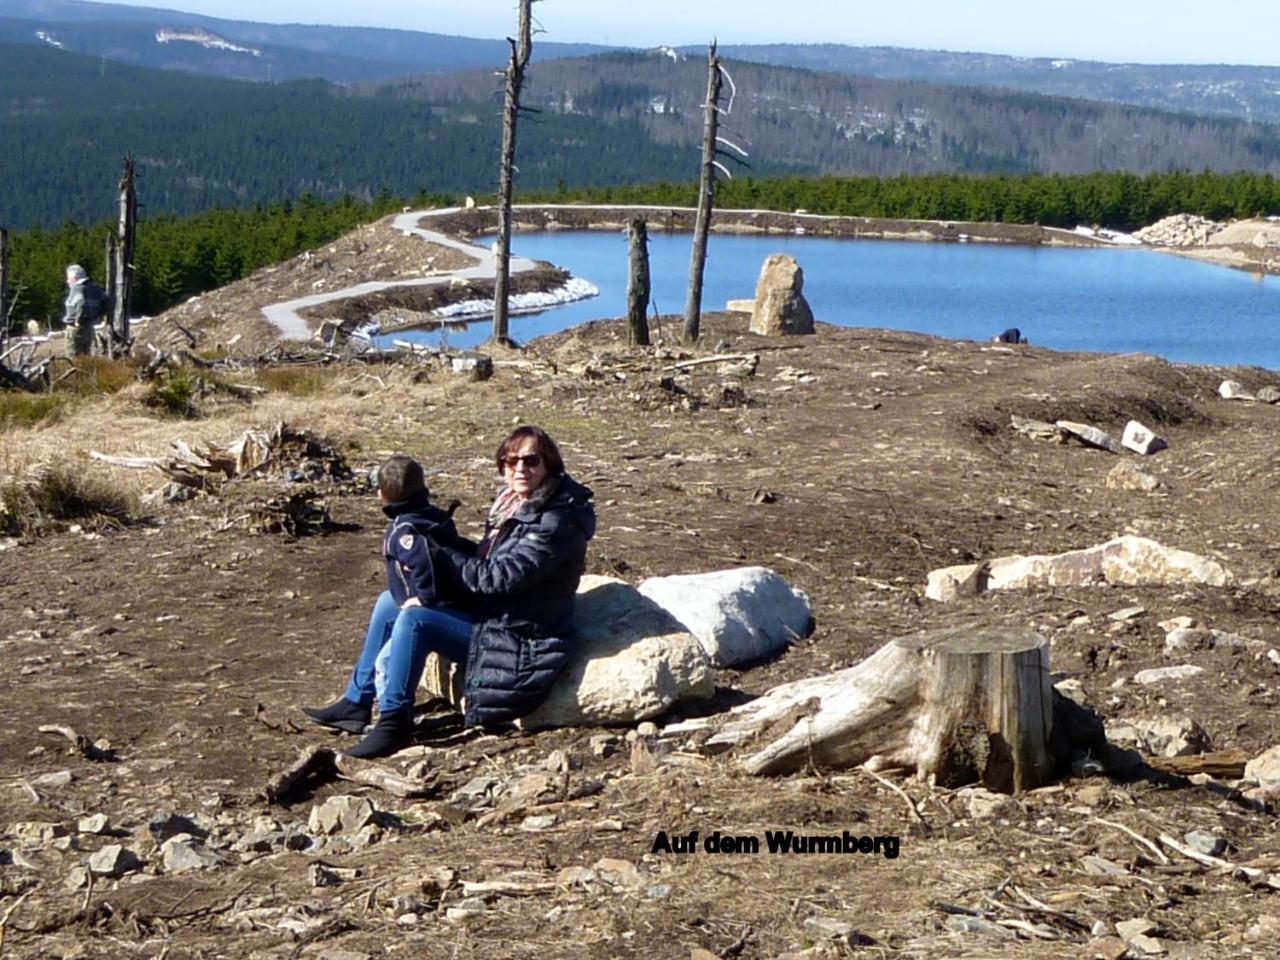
<point>396,646</point>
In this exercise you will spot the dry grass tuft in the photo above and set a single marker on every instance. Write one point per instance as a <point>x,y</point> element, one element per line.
<point>46,497</point>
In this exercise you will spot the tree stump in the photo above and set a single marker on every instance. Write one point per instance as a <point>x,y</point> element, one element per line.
<point>958,705</point>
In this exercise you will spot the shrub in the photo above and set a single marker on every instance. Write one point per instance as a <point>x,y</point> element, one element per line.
<point>100,375</point>
<point>173,394</point>
<point>58,494</point>
<point>19,409</point>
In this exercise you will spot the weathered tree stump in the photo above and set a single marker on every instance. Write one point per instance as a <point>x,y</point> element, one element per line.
<point>957,705</point>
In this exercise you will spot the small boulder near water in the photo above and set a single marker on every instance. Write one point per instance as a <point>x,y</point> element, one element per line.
<point>780,307</point>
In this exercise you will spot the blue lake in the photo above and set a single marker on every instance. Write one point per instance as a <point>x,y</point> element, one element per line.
<point>1114,300</point>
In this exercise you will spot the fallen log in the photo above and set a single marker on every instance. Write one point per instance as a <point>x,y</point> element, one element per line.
<point>957,705</point>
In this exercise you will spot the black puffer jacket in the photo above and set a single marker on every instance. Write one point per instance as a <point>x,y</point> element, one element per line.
<point>524,589</point>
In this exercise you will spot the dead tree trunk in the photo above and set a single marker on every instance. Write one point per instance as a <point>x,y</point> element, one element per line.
<point>122,296</point>
<point>109,279</point>
<point>520,50</point>
<point>638,285</point>
<point>706,197</point>
<point>959,705</point>
<point>4,289</point>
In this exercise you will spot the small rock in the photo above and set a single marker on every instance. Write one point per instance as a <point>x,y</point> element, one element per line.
<point>1264,769</point>
<point>95,824</point>
<point>1234,390</point>
<point>38,831</point>
<point>334,953</point>
<point>77,878</point>
<point>1100,928</point>
<point>61,778</point>
<point>1269,394</point>
<point>1138,926</point>
<point>169,825</point>
<point>1161,737</point>
<point>1141,440</point>
<point>475,788</point>
<point>1102,867</point>
<point>1158,675</point>
<point>341,814</point>
<point>576,876</point>
<point>621,873</point>
<point>1176,623</point>
<point>828,928</point>
<point>985,805</point>
<point>1205,843</point>
<point>536,822</point>
<point>114,860</point>
<point>980,926</point>
<point>604,745</point>
<point>1105,948</point>
<point>1127,475</point>
<point>656,891</point>
<point>181,854</point>
<point>647,729</point>
<point>467,908</point>
<point>1127,613</point>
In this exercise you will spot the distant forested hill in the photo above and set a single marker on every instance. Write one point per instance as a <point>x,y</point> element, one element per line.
<point>66,121</point>
<point>841,124</point>
<point>1232,90</point>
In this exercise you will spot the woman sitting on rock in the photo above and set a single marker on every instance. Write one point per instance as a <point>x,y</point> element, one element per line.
<point>512,601</point>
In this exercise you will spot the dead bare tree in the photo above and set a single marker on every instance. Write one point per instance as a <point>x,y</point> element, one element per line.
<point>4,288</point>
<point>520,50</point>
<point>638,284</point>
<point>122,296</point>
<point>716,76</point>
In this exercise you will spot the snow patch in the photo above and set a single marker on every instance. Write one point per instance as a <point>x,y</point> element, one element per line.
<point>49,39</point>
<point>575,288</point>
<point>206,39</point>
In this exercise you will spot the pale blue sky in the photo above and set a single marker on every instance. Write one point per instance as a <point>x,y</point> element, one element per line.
<point>1150,31</point>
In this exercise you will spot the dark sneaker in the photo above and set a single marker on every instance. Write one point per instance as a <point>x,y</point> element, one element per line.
<point>342,714</point>
<point>390,734</point>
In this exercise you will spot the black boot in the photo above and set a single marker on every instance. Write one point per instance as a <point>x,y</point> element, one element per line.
<point>342,714</point>
<point>391,733</point>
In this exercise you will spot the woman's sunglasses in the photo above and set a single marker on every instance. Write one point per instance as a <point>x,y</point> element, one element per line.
<point>530,460</point>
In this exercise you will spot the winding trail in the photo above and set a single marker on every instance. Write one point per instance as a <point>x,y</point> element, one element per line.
<point>293,327</point>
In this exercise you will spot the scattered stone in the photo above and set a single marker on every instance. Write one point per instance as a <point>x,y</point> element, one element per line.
<point>1037,429</point>
<point>1127,475</point>
<point>576,876</point>
<point>1180,230</point>
<point>1125,561</point>
<point>182,854</point>
<point>1102,867</point>
<point>1141,440</point>
<point>168,825</point>
<point>620,873</point>
<point>334,953</point>
<point>1090,436</point>
<point>37,831</point>
<point>1127,613</point>
<point>828,928</point>
<point>95,824</point>
<point>1105,948</point>
<point>780,308</point>
<point>537,822</point>
<point>1183,671</point>
<point>647,729</point>
<point>1161,737</point>
<point>467,908</point>
<point>60,778</point>
<point>77,878</point>
<point>1176,623</point>
<point>1269,394</point>
<point>631,661</point>
<point>341,814</point>
<point>657,891</point>
<point>476,788</point>
<point>1205,843</point>
<point>604,745</point>
<point>1264,769</point>
<point>476,366</point>
<point>1128,929</point>
<point>366,836</point>
<point>1234,390</point>
<point>980,926</point>
<point>114,860</point>
<point>739,616</point>
<point>983,804</point>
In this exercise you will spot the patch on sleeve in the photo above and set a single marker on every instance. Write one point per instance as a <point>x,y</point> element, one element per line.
<point>406,541</point>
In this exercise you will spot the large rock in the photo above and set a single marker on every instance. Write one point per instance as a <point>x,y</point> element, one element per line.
<point>738,616</point>
<point>780,306</point>
<point>1140,439</point>
<point>1090,435</point>
<point>1128,561</point>
<point>1161,736</point>
<point>1265,768</point>
<point>632,661</point>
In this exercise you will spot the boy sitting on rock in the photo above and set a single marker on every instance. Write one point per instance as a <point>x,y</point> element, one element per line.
<point>404,617</point>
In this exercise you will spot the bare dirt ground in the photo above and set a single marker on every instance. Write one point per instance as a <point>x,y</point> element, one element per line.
<point>853,462</point>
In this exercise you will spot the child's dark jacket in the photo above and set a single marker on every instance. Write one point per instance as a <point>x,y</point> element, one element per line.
<point>410,570</point>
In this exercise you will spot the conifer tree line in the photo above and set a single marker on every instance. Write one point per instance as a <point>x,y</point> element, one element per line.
<point>179,257</point>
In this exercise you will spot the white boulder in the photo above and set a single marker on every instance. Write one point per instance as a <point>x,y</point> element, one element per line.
<point>739,615</point>
<point>1128,561</point>
<point>1141,440</point>
<point>632,661</point>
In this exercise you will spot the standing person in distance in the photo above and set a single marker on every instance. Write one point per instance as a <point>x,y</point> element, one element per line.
<point>85,305</point>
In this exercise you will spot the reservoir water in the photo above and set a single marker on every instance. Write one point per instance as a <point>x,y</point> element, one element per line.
<point>1109,300</point>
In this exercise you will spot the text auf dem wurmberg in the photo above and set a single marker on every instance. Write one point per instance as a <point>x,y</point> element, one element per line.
<point>776,841</point>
